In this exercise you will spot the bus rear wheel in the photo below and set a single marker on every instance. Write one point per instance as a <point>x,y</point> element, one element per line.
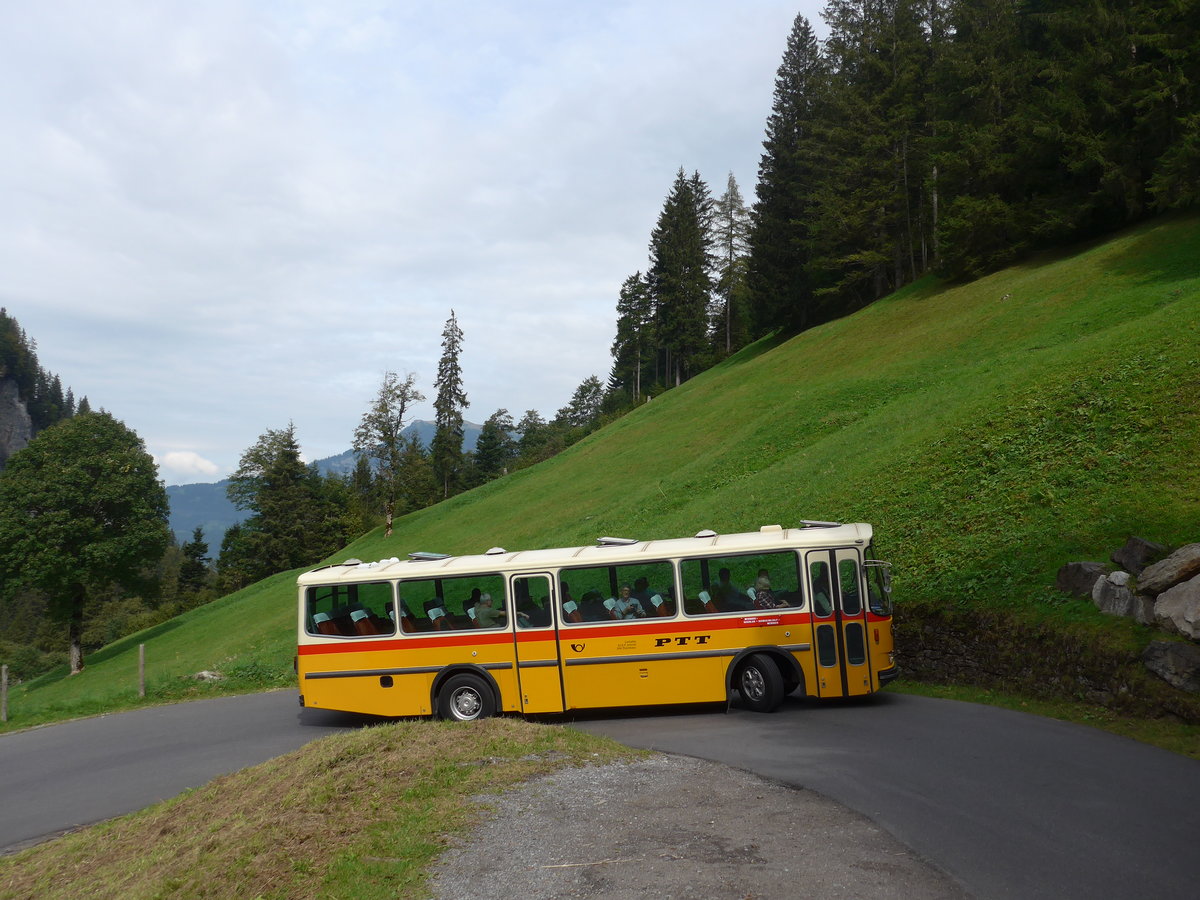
<point>759,683</point>
<point>465,698</point>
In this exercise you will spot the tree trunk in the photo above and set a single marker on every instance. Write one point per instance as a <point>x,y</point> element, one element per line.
<point>387,515</point>
<point>75,635</point>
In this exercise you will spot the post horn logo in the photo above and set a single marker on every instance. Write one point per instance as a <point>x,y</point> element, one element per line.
<point>578,648</point>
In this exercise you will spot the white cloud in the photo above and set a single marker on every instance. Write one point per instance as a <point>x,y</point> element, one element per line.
<point>184,464</point>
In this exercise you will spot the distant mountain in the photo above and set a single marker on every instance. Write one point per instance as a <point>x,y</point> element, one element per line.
<point>206,505</point>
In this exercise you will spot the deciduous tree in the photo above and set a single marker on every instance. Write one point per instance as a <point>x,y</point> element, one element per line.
<point>379,435</point>
<point>81,511</point>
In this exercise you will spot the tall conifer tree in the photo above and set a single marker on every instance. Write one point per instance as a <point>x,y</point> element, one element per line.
<point>446,448</point>
<point>680,262</point>
<point>777,270</point>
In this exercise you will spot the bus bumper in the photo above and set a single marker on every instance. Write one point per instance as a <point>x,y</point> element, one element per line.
<point>888,675</point>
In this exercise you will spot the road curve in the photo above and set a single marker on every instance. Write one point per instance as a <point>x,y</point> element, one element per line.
<point>1010,805</point>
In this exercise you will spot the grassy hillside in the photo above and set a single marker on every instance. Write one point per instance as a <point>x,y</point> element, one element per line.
<point>991,431</point>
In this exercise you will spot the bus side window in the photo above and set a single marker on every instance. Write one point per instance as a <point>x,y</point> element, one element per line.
<point>822,590</point>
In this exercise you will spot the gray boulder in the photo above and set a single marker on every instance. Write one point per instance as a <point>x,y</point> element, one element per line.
<point>1178,608</point>
<point>1136,553</point>
<point>1175,663</point>
<point>1177,568</point>
<point>1112,595</point>
<point>1079,578</point>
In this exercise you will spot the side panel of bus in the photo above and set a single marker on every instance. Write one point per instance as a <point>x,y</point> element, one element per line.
<point>655,661</point>
<point>395,677</point>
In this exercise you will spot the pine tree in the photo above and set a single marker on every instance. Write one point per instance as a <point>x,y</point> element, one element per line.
<point>777,271</point>
<point>446,448</point>
<point>679,281</point>
<point>295,520</point>
<point>731,229</point>
<point>194,568</point>
<point>631,349</point>
<point>496,448</point>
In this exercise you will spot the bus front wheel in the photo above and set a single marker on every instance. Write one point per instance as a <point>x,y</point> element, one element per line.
<point>465,698</point>
<point>759,683</point>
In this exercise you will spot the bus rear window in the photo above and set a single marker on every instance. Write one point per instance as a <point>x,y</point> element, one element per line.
<point>350,610</point>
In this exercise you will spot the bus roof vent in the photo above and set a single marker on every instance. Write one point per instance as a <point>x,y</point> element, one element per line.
<point>496,551</point>
<point>423,555</point>
<point>770,528</point>
<point>706,533</point>
<point>615,542</point>
<point>352,562</point>
<point>812,523</point>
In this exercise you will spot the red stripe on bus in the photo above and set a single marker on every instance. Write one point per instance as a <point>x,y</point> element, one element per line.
<point>567,633</point>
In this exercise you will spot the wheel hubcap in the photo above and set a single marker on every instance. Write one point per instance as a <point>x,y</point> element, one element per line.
<point>466,703</point>
<point>752,684</point>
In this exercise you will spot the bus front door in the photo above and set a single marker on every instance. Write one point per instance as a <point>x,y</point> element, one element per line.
<point>539,672</point>
<point>839,622</point>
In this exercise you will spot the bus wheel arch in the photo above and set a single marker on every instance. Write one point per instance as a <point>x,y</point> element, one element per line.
<point>465,694</point>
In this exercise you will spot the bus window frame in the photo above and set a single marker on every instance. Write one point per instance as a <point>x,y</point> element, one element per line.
<point>562,575</point>
<point>797,559</point>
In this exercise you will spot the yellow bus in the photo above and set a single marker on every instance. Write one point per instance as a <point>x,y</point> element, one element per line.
<point>621,623</point>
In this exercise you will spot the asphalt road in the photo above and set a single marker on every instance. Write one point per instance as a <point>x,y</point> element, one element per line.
<point>1010,805</point>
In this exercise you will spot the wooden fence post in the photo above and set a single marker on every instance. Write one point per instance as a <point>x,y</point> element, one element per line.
<point>141,670</point>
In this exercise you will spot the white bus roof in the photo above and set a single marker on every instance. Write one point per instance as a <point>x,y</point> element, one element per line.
<point>706,543</point>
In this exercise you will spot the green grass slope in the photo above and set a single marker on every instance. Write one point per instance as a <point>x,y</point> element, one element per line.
<point>991,431</point>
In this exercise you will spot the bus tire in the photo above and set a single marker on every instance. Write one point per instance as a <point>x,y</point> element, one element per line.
<point>465,698</point>
<point>759,683</point>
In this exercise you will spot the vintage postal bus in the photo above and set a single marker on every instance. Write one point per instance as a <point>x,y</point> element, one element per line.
<point>622,623</point>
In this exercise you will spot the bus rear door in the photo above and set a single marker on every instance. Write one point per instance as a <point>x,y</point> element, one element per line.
<point>539,672</point>
<point>839,622</point>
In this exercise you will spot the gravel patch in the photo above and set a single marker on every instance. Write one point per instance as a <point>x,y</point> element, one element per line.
<point>675,827</point>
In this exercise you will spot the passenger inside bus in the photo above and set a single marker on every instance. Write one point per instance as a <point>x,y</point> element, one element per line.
<point>487,616</point>
<point>625,606</point>
<point>822,604</point>
<point>726,596</point>
<point>764,597</point>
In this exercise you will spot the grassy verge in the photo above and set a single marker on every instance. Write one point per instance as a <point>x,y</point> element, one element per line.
<point>1168,734</point>
<point>358,815</point>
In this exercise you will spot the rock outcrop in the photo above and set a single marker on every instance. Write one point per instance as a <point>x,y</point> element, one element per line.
<point>1112,595</point>
<point>1177,568</point>
<point>16,428</point>
<point>1136,554</point>
<point>1178,609</point>
<point>1176,663</point>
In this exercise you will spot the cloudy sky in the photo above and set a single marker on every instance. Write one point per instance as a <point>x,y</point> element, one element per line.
<point>219,217</point>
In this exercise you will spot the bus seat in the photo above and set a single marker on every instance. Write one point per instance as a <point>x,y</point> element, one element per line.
<point>362,622</point>
<point>571,611</point>
<point>441,622</point>
<point>325,625</point>
<point>610,606</point>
